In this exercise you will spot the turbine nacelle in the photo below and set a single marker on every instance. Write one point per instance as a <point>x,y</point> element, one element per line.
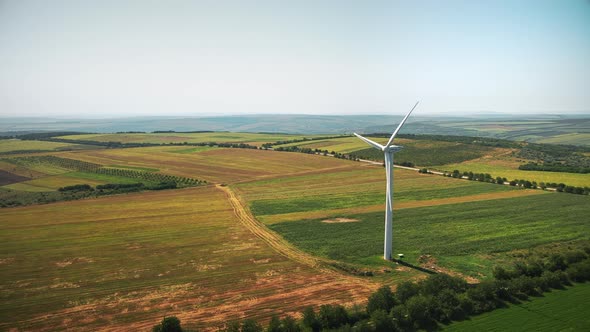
<point>392,148</point>
<point>389,147</point>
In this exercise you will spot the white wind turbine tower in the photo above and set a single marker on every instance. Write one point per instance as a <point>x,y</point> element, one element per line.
<point>388,149</point>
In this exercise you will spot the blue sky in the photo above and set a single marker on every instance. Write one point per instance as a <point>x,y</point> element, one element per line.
<point>128,58</point>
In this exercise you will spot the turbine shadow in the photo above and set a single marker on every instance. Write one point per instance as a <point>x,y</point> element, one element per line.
<point>412,266</point>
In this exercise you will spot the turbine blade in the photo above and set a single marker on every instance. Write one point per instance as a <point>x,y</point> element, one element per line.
<point>371,143</point>
<point>400,126</point>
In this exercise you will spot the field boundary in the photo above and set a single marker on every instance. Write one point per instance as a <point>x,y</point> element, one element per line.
<point>274,240</point>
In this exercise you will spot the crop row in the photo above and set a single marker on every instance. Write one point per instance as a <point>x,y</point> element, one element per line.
<point>149,176</point>
<point>66,163</point>
<point>83,166</point>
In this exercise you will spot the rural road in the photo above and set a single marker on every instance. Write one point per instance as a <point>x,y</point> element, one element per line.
<point>272,239</point>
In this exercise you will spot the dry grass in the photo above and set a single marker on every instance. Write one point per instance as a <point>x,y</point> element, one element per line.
<point>122,262</point>
<point>216,165</point>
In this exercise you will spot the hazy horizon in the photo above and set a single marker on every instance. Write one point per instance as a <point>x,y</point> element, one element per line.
<point>113,59</point>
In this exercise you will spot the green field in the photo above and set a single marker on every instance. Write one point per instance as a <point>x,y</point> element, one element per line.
<point>420,152</point>
<point>541,130</point>
<point>337,200</point>
<point>452,231</point>
<point>11,145</point>
<point>509,170</point>
<point>341,145</point>
<point>559,310</point>
<point>448,156</point>
<point>173,137</point>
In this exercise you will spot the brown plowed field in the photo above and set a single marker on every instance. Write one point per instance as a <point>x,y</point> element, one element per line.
<point>8,178</point>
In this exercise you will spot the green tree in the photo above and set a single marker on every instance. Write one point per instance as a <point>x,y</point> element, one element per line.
<point>332,316</point>
<point>310,319</point>
<point>382,321</point>
<point>406,290</point>
<point>274,325</point>
<point>382,299</point>
<point>289,324</point>
<point>420,311</point>
<point>168,324</point>
<point>250,325</point>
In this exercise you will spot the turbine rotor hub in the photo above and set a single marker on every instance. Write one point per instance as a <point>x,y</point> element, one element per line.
<point>393,148</point>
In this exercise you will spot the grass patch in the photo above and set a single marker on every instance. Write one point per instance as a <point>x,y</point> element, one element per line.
<point>447,230</point>
<point>429,152</point>
<point>559,310</point>
<point>508,169</point>
<point>336,201</point>
<point>11,145</point>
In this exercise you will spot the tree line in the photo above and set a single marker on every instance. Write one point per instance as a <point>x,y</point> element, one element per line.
<point>486,177</point>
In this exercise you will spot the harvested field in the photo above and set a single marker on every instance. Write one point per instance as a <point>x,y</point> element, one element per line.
<point>217,165</point>
<point>172,137</point>
<point>121,262</point>
<point>9,178</point>
<point>508,167</point>
<point>11,145</point>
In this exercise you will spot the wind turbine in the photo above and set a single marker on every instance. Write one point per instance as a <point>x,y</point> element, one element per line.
<point>388,149</point>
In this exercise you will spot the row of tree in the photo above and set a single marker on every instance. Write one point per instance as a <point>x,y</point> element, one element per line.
<point>554,167</point>
<point>485,177</point>
<point>83,166</point>
<point>438,299</point>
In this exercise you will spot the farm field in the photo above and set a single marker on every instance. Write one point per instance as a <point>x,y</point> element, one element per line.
<point>215,165</point>
<point>448,156</point>
<point>422,152</point>
<point>559,310</point>
<point>573,138</point>
<point>358,190</point>
<point>341,145</point>
<point>122,262</point>
<point>12,145</point>
<point>173,137</point>
<point>457,235</point>
<point>508,168</point>
<point>541,130</point>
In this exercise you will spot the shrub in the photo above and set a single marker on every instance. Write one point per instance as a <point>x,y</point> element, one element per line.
<point>168,324</point>
<point>575,256</point>
<point>76,187</point>
<point>250,325</point>
<point>382,322</point>
<point>289,324</point>
<point>438,282</point>
<point>332,316</point>
<point>420,311</point>
<point>406,290</point>
<point>579,272</point>
<point>382,299</point>
<point>310,319</point>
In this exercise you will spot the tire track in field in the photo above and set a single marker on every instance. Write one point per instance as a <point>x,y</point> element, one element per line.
<point>274,240</point>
